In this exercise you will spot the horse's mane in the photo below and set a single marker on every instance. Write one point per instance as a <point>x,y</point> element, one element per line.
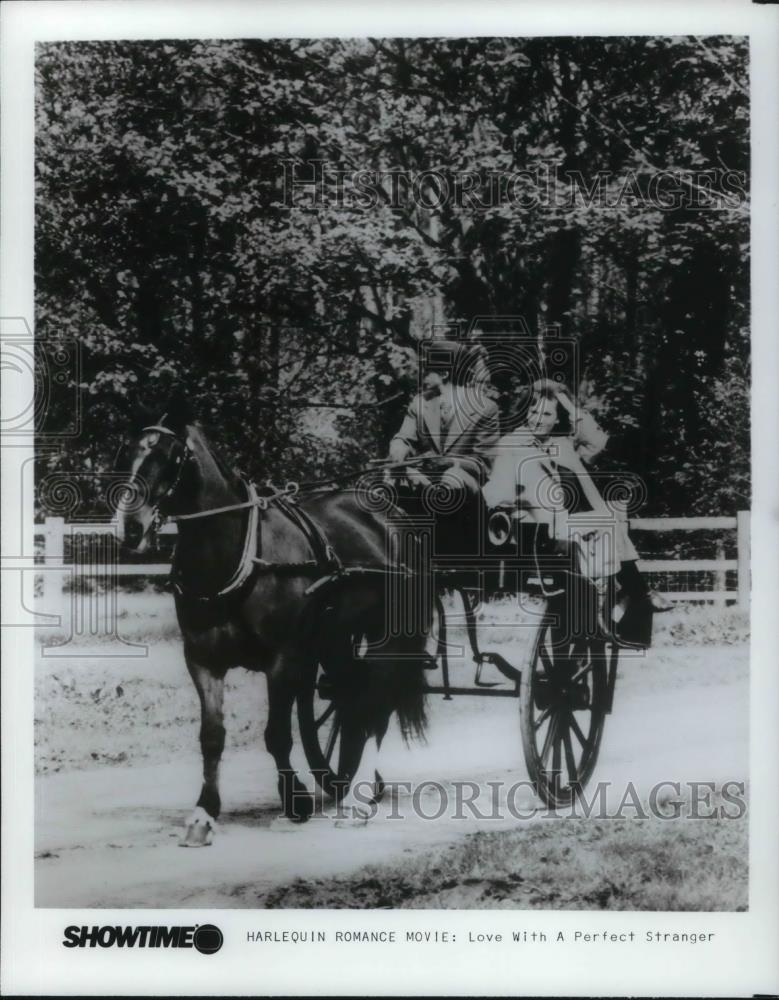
<point>230,475</point>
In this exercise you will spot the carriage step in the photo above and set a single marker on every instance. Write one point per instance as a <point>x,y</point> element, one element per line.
<point>501,663</point>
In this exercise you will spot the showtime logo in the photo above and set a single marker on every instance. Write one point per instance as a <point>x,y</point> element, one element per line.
<point>205,938</point>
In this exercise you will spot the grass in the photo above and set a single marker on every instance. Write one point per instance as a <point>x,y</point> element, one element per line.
<point>560,863</point>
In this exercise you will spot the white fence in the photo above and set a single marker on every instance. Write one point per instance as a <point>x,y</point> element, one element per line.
<point>719,565</point>
<point>56,572</point>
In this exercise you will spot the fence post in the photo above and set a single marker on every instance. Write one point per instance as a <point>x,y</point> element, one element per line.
<point>53,554</point>
<point>744,583</point>
<point>721,579</point>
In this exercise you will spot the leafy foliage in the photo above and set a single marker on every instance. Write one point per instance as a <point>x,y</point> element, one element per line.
<point>177,241</point>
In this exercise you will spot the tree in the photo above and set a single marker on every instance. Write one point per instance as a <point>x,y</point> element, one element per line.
<point>276,224</point>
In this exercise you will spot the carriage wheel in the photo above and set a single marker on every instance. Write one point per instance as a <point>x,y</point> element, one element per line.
<point>563,701</point>
<point>333,741</point>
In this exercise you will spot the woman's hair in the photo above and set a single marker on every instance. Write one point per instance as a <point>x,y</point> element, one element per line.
<point>546,388</point>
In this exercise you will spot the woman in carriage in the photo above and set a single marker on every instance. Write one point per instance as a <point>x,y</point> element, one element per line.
<point>540,469</point>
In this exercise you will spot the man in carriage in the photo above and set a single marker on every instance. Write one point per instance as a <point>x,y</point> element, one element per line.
<point>451,417</point>
<point>447,441</point>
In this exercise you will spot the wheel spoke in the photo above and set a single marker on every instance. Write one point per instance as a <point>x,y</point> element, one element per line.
<point>331,739</point>
<point>325,715</point>
<point>557,755</point>
<point>570,760</point>
<point>578,730</point>
<point>550,734</point>
<point>563,711</point>
<point>582,672</point>
<point>542,718</point>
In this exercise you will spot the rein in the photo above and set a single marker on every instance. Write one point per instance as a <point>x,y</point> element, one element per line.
<point>262,502</point>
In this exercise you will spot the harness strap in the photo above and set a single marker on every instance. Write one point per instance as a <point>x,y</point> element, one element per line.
<point>294,568</point>
<point>325,562</point>
<point>349,572</point>
<point>246,564</point>
<point>324,554</point>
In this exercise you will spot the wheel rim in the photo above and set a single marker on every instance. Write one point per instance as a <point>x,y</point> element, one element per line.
<point>563,713</point>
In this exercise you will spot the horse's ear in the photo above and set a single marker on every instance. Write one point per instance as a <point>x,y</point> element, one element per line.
<point>140,417</point>
<point>179,412</point>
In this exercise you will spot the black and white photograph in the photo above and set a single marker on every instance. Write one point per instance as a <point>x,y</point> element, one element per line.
<point>389,492</point>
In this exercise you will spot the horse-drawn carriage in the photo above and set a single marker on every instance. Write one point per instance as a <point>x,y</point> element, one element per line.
<point>300,583</point>
<point>565,686</point>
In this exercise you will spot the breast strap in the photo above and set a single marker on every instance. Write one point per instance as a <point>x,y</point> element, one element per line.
<point>325,560</point>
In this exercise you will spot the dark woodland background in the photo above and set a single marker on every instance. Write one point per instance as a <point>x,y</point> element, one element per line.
<point>166,248</point>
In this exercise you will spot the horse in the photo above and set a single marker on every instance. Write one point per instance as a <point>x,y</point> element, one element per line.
<point>276,586</point>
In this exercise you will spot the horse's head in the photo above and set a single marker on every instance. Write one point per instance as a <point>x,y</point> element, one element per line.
<point>155,459</point>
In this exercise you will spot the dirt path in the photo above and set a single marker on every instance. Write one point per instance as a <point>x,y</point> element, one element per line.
<point>108,836</point>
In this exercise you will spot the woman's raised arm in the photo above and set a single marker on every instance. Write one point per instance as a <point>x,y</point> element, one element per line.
<point>588,438</point>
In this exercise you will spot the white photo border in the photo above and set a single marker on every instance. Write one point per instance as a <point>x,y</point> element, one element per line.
<point>745,960</point>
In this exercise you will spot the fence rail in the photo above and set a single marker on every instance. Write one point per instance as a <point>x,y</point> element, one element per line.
<point>55,571</point>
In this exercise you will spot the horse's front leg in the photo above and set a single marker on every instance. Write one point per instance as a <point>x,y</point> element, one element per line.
<point>296,801</point>
<point>210,688</point>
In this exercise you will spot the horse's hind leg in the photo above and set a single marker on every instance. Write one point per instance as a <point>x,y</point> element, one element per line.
<point>296,800</point>
<point>210,689</point>
<point>367,789</point>
<point>379,788</point>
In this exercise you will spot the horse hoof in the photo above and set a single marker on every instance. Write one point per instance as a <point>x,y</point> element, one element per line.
<point>379,788</point>
<point>302,809</point>
<point>199,830</point>
<point>353,817</point>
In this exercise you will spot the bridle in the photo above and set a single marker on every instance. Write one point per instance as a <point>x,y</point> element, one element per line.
<point>180,462</point>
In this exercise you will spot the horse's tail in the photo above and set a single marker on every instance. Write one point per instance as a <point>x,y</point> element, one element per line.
<point>390,677</point>
<point>398,686</point>
<point>410,699</point>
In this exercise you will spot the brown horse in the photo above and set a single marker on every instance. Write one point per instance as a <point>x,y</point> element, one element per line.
<point>245,574</point>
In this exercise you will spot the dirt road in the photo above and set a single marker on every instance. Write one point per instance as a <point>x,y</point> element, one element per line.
<point>107,835</point>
